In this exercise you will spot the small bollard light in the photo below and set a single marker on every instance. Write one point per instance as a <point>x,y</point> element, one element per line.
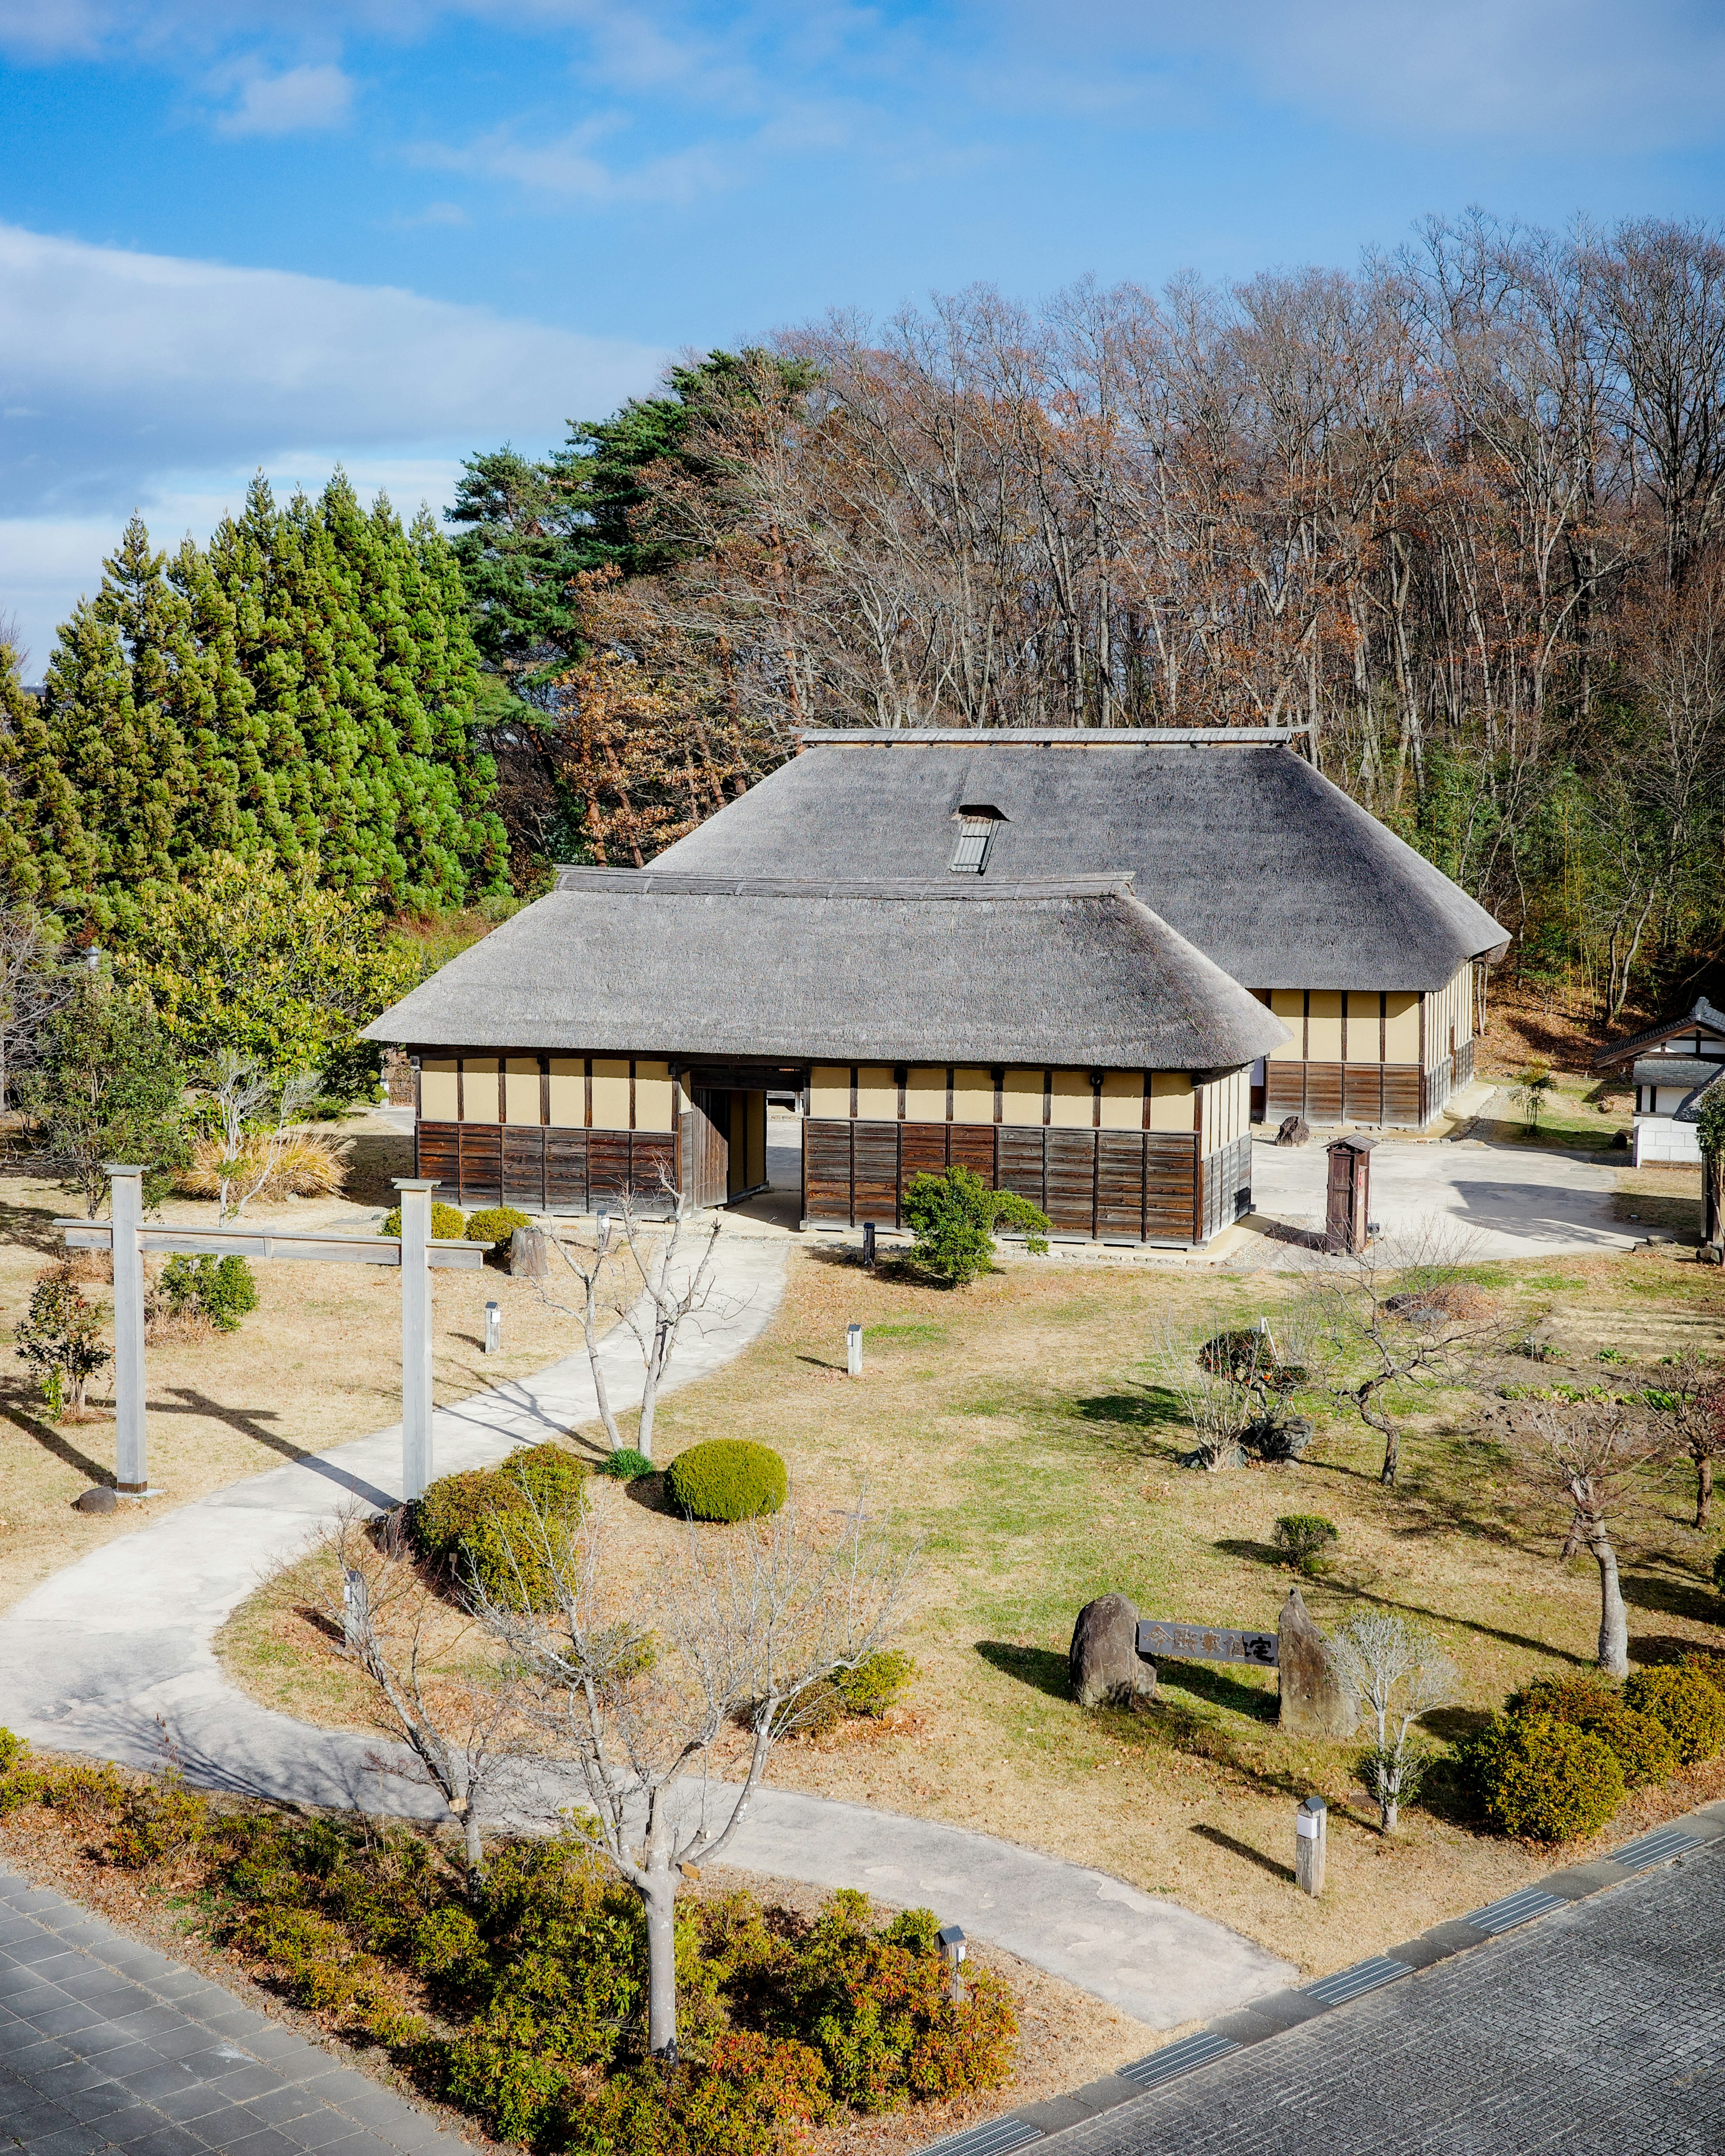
<point>869,1246</point>
<point>1310,1836</point>
<point>604,1236</point>
<point>852,1350</point>
<point>951,1941</point>
<point>494,1327</point>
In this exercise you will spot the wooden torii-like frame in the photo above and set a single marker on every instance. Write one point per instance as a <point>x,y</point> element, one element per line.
<point>415,1250</point>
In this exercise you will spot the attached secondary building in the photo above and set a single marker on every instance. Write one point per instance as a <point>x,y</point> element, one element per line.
<point>1079,963</point>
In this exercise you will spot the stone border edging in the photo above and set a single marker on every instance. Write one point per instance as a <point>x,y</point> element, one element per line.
<point>1282,2011</point>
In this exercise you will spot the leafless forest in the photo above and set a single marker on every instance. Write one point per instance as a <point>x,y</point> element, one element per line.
<point>1458,513</point>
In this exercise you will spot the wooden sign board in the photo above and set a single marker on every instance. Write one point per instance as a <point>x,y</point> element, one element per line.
<point>1205,1643</point>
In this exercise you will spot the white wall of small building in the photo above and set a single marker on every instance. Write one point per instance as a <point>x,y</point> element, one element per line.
<point>1660,1141</point>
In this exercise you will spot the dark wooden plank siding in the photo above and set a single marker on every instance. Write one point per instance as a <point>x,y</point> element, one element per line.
<point>1071,1203</point>
<point>826,1172</point>
<point>1323,1093</point>
<point>1389,1093</point>
<point>564,1170</point>
<point>608,1165</point>
<point>524,1166</point>
<point>875,1173</point>
<point>1120,1184</point>
<point>922,1148</point>
<point>1363,1092</point>
<point>972,1146</point>
<point>1020,1167</point>
<point>1170,1169</point>
<point>1401,1096</point>
<point>437,1157</point>
<point>481,1164</point>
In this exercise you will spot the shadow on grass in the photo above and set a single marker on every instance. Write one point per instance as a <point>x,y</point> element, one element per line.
<point>13,1407</point>
<point>1450,1724</point>
<point>1216,1682</point>
<point>32,1226</point>
<point>1652,1649</point>
<point>1214,1836</point>
<point>1466,1623</point>
<point>1149,1407</point>
<point>1038,1667</point>
<point>648,1492</point>
<point>1255,1552</point>
<point>821,1362</point>
<point>1671,1598</point>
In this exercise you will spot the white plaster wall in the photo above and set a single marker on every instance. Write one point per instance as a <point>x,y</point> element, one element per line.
<point>1660,1139</point>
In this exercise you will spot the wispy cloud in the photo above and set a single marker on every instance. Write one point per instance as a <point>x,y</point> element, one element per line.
<point>294,102</point>
<point>568,165</point>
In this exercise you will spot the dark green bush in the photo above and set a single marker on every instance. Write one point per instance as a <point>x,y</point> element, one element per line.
<point>727,1478</point>
<point>1719,1570</point>
<point>1642,1747</point>
<point>866,1692</point>
<point>953,1216</point>
<point>1302,1539</point>
<point>481,1525</point>
<point>496,1226</point>
<point>1685,1704</point>
<point>449,1223</point>
<point>223,1290</point>
<point>625,1465</point>
<point>1544,1779</point>
<point>9,1749</point>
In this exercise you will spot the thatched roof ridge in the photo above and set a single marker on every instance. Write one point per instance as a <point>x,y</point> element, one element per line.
<point>1244,850</point>
<point>656,963</point>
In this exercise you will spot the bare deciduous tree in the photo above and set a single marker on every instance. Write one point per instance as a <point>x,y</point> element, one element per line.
<point>35,981</point>
<point>1398,1315</point>
<point>1587,1454</point>
<point>1690,1396</point>
<point>1400,1675</point>
<point>252,1142</point>
<point>466,1729</point>
<point>637,1690</point>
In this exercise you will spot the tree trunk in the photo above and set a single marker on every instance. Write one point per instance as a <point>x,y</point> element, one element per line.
<point>1703,1488</point>
<point>1614,1618</point>
<point>1392,1453</point>
<point>473,1846</point>
<point>658,1897</point>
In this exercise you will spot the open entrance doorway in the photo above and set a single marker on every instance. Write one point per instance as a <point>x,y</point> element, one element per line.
<point>724,1144</point>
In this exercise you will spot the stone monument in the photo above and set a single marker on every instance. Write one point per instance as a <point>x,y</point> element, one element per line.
<point>1315,1702</point>
<point>1106,1670</point>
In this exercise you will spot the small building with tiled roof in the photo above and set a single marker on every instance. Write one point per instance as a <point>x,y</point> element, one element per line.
<point>1671,1065</point>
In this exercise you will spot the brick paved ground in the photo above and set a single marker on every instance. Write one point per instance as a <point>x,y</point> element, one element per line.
<point>106,2045</point>
<point>1598,2031</point>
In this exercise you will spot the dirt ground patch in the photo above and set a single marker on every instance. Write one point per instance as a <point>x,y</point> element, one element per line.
<point>1018,1430</point>
<point>316,1364</point>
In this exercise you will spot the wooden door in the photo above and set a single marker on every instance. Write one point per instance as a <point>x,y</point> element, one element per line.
<point>706,1148</point>
<point>1339,1214</point>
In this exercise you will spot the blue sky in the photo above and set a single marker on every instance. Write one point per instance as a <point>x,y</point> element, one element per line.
<point>234,235</point>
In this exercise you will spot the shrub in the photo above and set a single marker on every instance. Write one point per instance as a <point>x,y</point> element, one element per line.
<point>449,1223</point>
<point>306,1166</point>
<point>1685,1704</point>
<point>727,1478</point>
<point>481,1525</point>
<point>496,1226</point>
<point>625,1465</point>
<point>1302,1537</point>
<point>57,1341</point>
<point>10,1749</point>
<point>1642,1747</point>
<point>953,1216</point>
<point>866,1692</point>
<point>1542,1778</point>
<point>223,1290</point>
<point>1719,1570</point>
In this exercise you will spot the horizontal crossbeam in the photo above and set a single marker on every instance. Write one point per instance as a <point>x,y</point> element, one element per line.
<point>268,1243</point>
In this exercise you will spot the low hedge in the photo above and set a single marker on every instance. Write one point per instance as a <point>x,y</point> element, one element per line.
<point>480,1524</point>
<point>1641,1745</point>
<point>1686,1704</point>
<point>496,1225</point>
<point>449,1223</point>
<point>727,1478</point>
<point>1542,1778</point>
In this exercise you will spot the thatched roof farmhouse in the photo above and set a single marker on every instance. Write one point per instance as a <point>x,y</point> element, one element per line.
<point>1081,963</point>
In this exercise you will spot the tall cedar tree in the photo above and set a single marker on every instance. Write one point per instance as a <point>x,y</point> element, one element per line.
<point>304,686</point>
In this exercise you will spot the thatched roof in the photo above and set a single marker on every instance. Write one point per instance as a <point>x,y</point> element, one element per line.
<point>1703,1018</point>
<point>1073,971</point>
<point>1237,843</point>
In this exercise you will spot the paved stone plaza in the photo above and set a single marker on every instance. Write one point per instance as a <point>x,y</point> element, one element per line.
<point>106,2045</point>
<point>1596,2031</point>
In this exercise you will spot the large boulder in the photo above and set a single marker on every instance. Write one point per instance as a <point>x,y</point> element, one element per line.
<point>1278,1438</point>
<point>1106,1667</point>
<point>1315,1702</point>
<point>1292,1131</point>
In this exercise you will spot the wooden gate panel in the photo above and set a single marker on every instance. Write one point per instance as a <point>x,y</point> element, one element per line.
<point>524,1166</point>
<point>1020,1164</point>
<point>1071,1181</point>
<point>481,1164</point>
<point>826,1172</point>
<point>1119,1183</point>
<point>565,1171</point>
<point>875,1187</point>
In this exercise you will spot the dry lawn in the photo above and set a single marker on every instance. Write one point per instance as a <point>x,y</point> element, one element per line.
<point>1018,1427</point>
<point>316,1364</point>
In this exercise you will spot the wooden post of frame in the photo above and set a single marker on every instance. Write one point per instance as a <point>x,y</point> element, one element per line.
<point>415,1335</point>
<point>131,1459</point>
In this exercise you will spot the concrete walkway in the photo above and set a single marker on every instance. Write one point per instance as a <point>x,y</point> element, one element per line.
<point>106,2044</point>
<point>115,1653</point>
<point>1512,1201</point>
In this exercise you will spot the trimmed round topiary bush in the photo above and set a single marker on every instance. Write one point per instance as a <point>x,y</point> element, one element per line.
<point>1544,1779</point>
<point>481,1525</point>
<point>1685,1704</point>
<point>449,1223</point>
<point>727,1478</point>
<point>496,1225</point>
<point>1643,1747</point>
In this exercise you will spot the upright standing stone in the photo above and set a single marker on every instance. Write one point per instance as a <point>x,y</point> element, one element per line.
<point>530,1254</point>
<point>1315,1702</point>
<point>1104,1662</point>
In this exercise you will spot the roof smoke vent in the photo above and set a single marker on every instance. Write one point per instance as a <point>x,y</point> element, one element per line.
<point>975,821</point>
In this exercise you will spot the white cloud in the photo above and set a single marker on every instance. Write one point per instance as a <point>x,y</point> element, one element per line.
<point>291,103</point>
<point>147,380</point>
<point>567,166</point>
